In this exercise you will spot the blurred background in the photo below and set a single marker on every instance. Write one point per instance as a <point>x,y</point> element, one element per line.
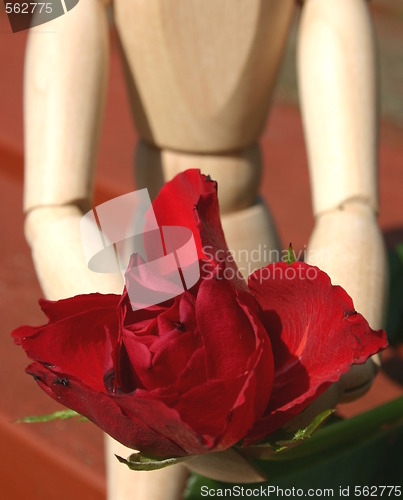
<point>67,457</point>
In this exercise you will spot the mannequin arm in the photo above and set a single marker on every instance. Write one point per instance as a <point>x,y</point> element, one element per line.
<point>338,88</point>
<point>65,83</point>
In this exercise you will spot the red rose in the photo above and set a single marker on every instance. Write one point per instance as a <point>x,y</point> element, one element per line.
<point>195,373</point>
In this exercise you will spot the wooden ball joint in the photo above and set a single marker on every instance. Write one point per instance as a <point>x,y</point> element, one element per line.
<point>200,77</point>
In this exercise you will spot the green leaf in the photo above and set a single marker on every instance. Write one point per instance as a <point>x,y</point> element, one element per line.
<point>138,461</point>
<point>290,256</point>
<point>346,431</point>
<point>57,415</point>
<point>302,434</point>
<point>282,440</point>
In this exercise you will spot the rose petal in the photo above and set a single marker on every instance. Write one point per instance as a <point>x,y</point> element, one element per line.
<point>214,420</point>
<point>74,338</point>
<point>261,363</point>
<point>315,333</point>
<point>106,412</point>
<point>232,405</point>
<point>190,200</point>
<point>175,203</point>
<point>227,335</point>
<point>164,420</point>
<point>213,241</point>
<point>193,373</point>
<point>160,364</point>
<point>57,310</point>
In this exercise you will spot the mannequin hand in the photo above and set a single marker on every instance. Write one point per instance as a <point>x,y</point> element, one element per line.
<point>347,244</point>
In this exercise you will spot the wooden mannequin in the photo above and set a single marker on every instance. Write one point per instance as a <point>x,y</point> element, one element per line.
<point>200,75</point>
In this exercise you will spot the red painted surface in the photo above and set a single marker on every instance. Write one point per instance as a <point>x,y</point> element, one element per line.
<point>64,460</point>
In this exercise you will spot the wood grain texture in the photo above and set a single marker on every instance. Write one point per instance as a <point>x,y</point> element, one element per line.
<point>238,174</point>
<point>201,74</point>
<point>252,237</point>
<point>64,90</point>
<point>338,79</point>
<point>338,88</point>
<point>248,225</point>
<point>347,244</point>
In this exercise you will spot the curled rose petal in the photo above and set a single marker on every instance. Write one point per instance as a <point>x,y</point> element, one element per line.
<point>316,336</point>
<point>72,342</point>
<point>190,199</point>
<point>108,413</point>
<point>175,203</point>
